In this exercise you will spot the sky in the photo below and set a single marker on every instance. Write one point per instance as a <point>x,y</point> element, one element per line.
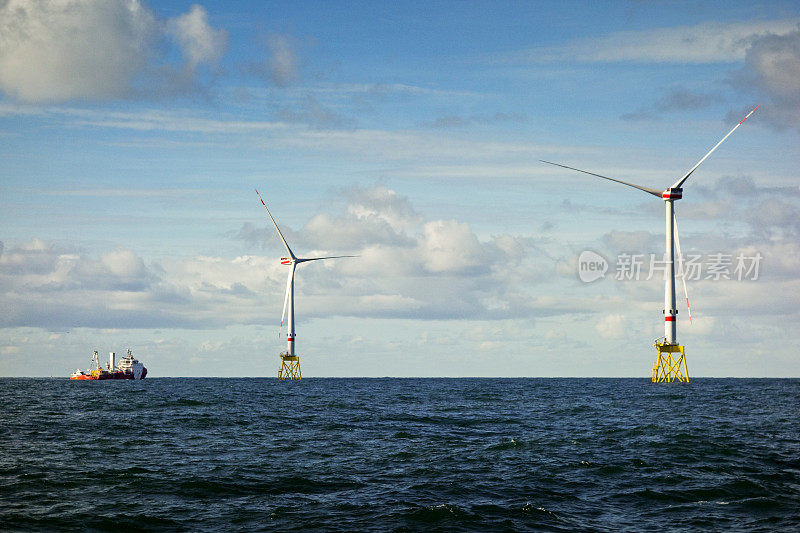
<point>410,134</point>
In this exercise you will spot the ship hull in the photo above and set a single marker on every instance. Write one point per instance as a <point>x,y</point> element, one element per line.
<point>109,375</point>
<point>115,375</point>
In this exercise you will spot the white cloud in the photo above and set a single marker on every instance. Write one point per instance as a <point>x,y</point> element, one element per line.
<point>199,42</point>
<point>450,246</point>
<point>775,216</point>
<point>410,268</point>
<point>383,204</point>
<point>313,112</point>
<point>280,66</point>
<point>373,216</point>
<point>772,68</point>
<point>769,215</point>
<point>98,49</point>
<point>419,154</point>
<point>123,263</point>
<point>775,59</point>
<point>611,326</point>
<point>632,241</point>
<point>677,99</point>
<point>52,51</point>
<point>407,267</point>
<point>282,60</point>
<point>708,42</point>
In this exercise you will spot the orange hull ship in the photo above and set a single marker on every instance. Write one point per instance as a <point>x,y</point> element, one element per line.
<point>128,368</point>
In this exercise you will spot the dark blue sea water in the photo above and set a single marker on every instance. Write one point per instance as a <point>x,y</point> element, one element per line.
<point>400,454</point>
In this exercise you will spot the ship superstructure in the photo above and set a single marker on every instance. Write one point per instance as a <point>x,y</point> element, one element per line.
<point>128,368</point>
<point>132,366</point>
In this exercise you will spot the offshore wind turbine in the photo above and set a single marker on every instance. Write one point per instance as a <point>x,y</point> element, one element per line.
<point>667,368</point>
<point>290,361</point>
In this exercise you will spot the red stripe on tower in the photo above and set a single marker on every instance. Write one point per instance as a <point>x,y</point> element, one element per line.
<point>669,319</point>
<point>750,113</point>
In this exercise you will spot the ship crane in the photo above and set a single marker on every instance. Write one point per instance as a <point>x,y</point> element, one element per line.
<point>667,367</point>
<point>290,361</point>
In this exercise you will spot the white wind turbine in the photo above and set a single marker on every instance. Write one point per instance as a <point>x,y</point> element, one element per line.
<point>290,364</point>
<point>667,369</point>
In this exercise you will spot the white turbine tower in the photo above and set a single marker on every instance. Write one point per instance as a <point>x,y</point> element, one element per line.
<point>666,367</point>
<point>290,361</point>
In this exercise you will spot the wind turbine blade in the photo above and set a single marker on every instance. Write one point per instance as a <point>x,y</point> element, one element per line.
<point>307,259</point>
<point>679,183</point>
<point>276,227</point>
<point>680,265</point>
<point>641,188</point>
<point>286,296</point>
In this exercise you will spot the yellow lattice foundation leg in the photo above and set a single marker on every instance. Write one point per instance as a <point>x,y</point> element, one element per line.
<point>290,367</point>
<point>668,368</point>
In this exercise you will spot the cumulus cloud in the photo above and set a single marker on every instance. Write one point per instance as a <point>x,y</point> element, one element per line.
<point>432,268</point>
<point>393,237</point>
<point>372,216</point>
<point>771,214</point>
<point>408,267</point>
<point>383,204</point>
<point>199,42</point>
<point>43,285</point>
<point>324,230</point>
<point>772,68</point>
<point>100,49</point>
<point>450,246</point>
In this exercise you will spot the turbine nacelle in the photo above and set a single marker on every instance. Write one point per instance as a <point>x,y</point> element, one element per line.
<point>286,260</point>
<point>673,193</point>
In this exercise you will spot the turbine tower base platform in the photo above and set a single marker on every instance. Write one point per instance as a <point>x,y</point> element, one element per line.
<point>669,368</point>
<point>290,367</point>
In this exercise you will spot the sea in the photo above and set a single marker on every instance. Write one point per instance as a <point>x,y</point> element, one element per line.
<point>209,454</point>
